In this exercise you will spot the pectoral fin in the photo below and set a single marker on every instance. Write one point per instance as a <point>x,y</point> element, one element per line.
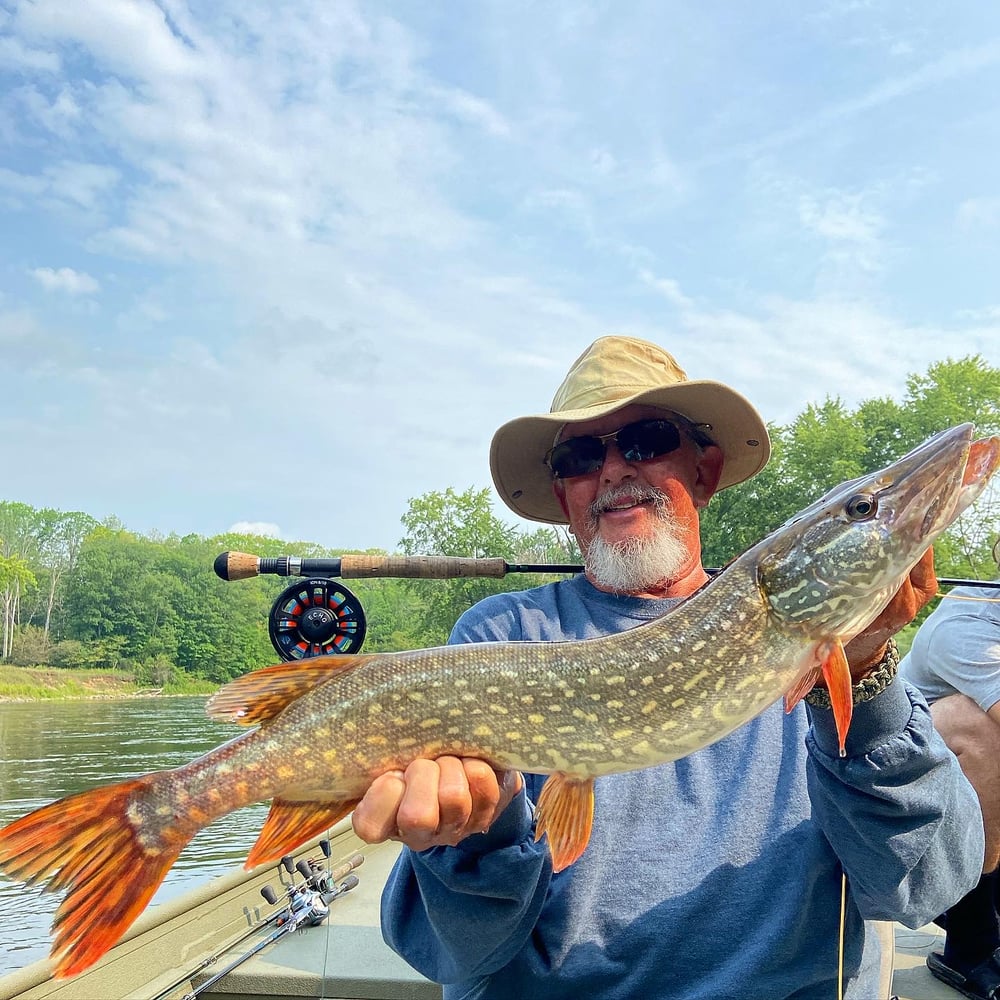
<point>566,813</point>
<point>831,665</point>
<point>837,675</point>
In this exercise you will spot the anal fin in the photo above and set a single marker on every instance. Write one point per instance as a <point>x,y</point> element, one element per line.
<point>566,814</point>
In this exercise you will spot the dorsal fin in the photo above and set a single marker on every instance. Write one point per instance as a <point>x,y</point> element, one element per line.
<point>263,694</point>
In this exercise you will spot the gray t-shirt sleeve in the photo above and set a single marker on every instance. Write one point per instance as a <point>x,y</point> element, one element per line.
<point>958,652</point>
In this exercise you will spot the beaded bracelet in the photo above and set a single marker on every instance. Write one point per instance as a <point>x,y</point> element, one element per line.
<point>871,684</point>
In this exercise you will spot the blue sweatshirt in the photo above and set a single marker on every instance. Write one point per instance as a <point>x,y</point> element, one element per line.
<point>715,876</point>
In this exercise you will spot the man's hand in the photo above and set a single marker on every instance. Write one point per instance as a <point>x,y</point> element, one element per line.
<point>868,647</point>
<point>434,803</point>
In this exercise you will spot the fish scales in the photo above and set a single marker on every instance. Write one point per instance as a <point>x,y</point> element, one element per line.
<point>771,624</point>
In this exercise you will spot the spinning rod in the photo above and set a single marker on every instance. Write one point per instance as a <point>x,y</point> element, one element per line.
<point>307,905</point>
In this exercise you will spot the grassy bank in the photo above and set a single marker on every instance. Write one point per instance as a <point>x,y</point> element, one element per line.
<point>52,683</point>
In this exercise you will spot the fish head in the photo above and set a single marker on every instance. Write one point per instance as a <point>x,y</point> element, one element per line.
<point>832,568</point>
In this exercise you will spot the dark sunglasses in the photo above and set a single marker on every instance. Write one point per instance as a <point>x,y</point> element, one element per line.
<point>638,442</point>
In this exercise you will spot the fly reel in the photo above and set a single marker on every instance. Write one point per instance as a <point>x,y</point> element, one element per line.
<point>315,617</point>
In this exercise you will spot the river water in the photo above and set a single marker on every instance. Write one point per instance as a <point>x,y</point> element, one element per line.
<point>52,749</point>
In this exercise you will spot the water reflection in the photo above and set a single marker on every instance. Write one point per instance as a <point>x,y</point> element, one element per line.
<point>48,750</point>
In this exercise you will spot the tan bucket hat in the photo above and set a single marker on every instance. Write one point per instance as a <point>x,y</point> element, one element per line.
<point>612,373</point>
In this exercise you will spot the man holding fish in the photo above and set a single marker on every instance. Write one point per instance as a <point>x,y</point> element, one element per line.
<point>717,875</point>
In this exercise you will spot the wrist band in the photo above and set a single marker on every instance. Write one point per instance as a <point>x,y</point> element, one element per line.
<point>873,683</point>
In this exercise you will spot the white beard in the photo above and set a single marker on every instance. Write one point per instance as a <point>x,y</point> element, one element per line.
<point>635,565</point>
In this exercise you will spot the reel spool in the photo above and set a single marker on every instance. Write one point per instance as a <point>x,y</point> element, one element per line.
<point>315,617</point>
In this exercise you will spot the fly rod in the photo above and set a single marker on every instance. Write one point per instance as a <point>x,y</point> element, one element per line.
<point>243,566</point>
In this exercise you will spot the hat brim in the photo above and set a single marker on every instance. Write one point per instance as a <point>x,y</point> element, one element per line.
<point>517,454</point>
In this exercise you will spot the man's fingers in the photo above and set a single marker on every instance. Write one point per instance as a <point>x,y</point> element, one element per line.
<point>923,579</point>
<point>418,816</point>
<point>374,818</point>
<point>434,802</point>
<point>454,797</point>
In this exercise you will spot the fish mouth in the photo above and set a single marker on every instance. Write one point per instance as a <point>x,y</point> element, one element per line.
<point>982,463</point>
<point>936,482</point>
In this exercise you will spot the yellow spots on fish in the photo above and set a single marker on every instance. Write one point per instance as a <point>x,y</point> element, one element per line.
<point>455,712</point>
<point>616,679</point>
<point>163,811</point>
<point>527,699</point>
<point>375,708</point>
<point>649,708</point>
<point>536,720</point>
<point>514,736</point>
<point>648,679</point>
<point>415,695</point>
<point>697,711</point>
<point>698,646</point>
<point>301,751</point>
<point>719,712</point>
<point>720,684</point>
<point>565,730</point>
<point>430,723</point>
<point>482,730</point>
<point>622,734</point>
<point>668,725</point>
<point>579,713</point>
<point>538,739</point>
<point>615,704</point>
<point>406,742</point>
<point>284,772</point>
<point>493,689</point>
<point>677,702</point>
<point>695,680</point>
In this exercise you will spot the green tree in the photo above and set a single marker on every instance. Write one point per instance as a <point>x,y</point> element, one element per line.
<point>455,524</point>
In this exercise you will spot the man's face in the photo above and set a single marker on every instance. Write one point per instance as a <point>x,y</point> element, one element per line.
<point>686,478</point>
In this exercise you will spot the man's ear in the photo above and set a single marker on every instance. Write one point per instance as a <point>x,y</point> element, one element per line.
<point>708,470</point>
<point>559,493</point>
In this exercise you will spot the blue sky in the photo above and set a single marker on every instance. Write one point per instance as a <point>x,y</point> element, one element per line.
<point>292,264</point>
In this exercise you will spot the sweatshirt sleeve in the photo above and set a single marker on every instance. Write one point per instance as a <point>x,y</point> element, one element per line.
<point>455,913</point>
<point>897,810</point>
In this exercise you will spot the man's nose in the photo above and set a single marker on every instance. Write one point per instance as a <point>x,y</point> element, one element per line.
<point>616,466</point>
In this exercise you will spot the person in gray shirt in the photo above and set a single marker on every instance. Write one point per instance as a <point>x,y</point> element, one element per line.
<point>955,663</point>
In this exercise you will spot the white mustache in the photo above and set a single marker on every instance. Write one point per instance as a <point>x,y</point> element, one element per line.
<point>630,494</point>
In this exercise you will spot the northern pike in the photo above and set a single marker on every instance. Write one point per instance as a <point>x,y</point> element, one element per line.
<point>770,625</point>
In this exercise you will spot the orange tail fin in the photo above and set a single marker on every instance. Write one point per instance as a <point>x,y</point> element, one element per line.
<point>92,845</point>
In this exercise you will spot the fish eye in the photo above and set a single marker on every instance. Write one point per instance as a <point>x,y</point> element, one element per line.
<point>861,507</point>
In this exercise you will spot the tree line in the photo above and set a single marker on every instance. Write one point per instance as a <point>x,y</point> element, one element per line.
<point>78,593</point>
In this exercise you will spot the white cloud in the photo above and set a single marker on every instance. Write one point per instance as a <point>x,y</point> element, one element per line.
<point>14,54</point>
<point>975,213</point>
<point>263,529</point>
<point>65,279</point>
